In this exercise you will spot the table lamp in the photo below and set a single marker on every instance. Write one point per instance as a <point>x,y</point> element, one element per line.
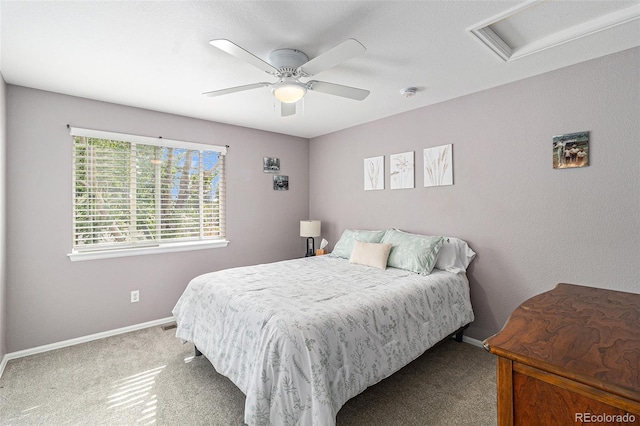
<point>310,229</point>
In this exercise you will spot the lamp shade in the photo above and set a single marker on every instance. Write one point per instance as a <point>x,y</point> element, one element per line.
<point>310,228</point>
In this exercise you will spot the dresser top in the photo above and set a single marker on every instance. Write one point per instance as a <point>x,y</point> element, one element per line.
<point>587,334</point>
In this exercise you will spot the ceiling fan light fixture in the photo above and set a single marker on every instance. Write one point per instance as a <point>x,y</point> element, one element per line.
<point>289,91</point>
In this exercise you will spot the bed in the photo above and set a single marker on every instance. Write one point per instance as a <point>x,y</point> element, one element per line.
<point>301,337</point>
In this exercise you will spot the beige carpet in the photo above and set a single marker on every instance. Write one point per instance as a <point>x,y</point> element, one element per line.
<point>150,377</point>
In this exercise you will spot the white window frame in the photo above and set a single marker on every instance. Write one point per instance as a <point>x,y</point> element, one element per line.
<point>151,248</point>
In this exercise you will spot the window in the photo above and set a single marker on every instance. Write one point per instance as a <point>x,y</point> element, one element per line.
<point>138,195</point>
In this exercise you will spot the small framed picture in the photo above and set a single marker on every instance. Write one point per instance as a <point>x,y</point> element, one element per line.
<point>271,165</point>
<point>438,165</point>
<point>401,170</point>
<point>281,183</point>
<point>571,150</point>
<point>374,173</point>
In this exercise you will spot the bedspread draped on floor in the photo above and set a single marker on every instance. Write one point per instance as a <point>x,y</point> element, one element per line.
<point>301,337</point>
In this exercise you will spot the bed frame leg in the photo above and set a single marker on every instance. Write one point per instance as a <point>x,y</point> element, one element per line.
<point>459,333</point>
<point>198,353</point>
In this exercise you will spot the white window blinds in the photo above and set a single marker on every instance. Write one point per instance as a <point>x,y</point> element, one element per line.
<point>135,191</point>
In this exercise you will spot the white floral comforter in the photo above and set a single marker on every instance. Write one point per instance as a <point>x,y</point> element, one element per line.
<point>301,337</point>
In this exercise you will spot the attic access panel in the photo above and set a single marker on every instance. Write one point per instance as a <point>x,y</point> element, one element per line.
<point>536,25</point>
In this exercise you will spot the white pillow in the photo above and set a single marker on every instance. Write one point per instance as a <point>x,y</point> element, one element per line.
<point>370,254</point>
<point>455,255</point>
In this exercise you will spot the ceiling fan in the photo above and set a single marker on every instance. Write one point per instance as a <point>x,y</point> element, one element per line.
<point>289,66</point>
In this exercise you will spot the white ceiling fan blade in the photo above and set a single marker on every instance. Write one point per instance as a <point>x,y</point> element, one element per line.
<point>287,109</point>
<point>338,90</point>
<point>344,51</point>
<point>235,89</point>
<point>240,53</point>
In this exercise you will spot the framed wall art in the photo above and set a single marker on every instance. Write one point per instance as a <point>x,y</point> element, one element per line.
<point>271,165</point>
<point>571,150</point>
<point>402,170</point>
<point>374,173</point>
<point>281,183</point>
<point>438,166</point>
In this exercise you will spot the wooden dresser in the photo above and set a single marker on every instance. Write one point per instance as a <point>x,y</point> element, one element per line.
<point>570,356</point>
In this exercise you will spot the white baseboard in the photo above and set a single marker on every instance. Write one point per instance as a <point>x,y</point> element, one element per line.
<point>78,340</point>
<point>3,364</point>
<point>472,341</point>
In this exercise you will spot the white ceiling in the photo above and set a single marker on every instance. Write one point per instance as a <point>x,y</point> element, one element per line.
<point>156,55</point>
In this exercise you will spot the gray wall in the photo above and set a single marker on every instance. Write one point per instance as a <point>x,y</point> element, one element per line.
<point>531,225</point>
<point>3,276</point>
<point>53,299</point>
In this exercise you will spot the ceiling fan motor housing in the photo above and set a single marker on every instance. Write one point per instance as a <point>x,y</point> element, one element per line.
<point>287,60</point>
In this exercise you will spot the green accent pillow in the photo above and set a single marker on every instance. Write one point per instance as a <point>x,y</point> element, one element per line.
<point>344,246</point>
<point>412,252</point>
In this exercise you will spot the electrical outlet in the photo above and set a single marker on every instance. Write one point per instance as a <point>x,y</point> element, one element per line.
<point>135,296</point>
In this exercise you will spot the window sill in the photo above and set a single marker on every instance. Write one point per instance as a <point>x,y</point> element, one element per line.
<point>137,251</point>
